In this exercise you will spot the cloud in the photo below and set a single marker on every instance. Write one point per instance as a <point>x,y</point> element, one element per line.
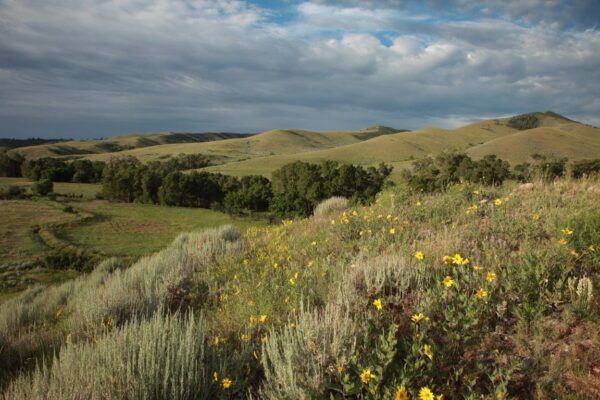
<point>95,68</point>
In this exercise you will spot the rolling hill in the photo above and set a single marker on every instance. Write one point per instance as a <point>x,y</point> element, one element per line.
<point>120,143</point>
<point>269,143</point>
<point>550,134</point>
<point>513,138</point>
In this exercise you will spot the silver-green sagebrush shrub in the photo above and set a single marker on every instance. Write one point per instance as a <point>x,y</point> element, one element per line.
<point>158,358</point>
<point>154,281</point>
<point>299,360</point>
<point>332,205</point>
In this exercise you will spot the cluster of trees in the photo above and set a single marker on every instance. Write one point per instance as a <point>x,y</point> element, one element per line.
<point>82,171</point>
<point>299,187</point>
<point>433,174</point>
<point>126,179</point>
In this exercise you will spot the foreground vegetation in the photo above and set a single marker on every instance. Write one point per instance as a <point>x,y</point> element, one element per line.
<point>474,292</point>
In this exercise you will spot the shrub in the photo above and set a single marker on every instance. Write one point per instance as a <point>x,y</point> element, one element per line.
<point>70,258</point>
<point>161,358</point>
<point>583,168</point>
<point>525,121</point>
<point>429,175</point>
<point>300,361</point>
<point>42,187</point>
<point>331,205</point>
<point>11,192</point>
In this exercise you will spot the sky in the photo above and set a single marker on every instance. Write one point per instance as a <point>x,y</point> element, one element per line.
<point>97,68</point>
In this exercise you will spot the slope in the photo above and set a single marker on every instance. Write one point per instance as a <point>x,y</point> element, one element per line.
<point>273,142</point>
<point>120,143</point>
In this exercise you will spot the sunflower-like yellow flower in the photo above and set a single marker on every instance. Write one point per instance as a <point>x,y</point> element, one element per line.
<point>457,259</point>
<point>244,338</point>
<point>477,267</point>
<point>447,259</point>
<point>562,241</point>
<point>574,253</point>
<point>401,393</point>
<point>262,318</point>
<point>392,231</point>
<point>566,231</point>
<point>366,375</point>
<point>497,202</point>
<point>490,276</point>
<point>536,217</point>
<point>448,281</point>
<point>377,304</point>
<point>416,318</point>
<point>227,383</point>
<point>427,351</point>
<point>419,255</point>
<point>426,394</point>
<point>481,294</point>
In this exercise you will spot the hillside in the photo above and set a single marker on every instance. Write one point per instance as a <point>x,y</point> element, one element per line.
<point>392,148</point>
<point>412,296</point>
<point>273,142</point>
<point>572,140</point>
<point>120,143</point>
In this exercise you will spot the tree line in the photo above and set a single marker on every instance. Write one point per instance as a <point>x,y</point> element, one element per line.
<point>294,191</point>
<point>431,174</point>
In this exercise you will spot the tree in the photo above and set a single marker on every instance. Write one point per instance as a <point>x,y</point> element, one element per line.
<point>43,187</point>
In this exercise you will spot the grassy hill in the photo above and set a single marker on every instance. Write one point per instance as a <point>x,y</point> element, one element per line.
<point>273,142</point>
<point>572,140</point>
<point>410,296</point>
<point>119,143</point>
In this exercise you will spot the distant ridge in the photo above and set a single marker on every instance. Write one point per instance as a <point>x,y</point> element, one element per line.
<point>75,148</point>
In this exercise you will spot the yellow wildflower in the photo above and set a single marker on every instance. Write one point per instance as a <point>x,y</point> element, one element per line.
<point>216,376</point>
<point>333,222</point>
<point>477,268</point>
<point>574,253</point>
<point>227,383</point>
<point>310,263</point>
<point>457,259</point>
<point>354,213</point>
<point>313,243</point>
<point>481,293</point>
<point>562,241</point>
<point>366,375</point>
<point>215,341</point>
<point>497,202</point>
<point>392,231</point>
<point>592,248</point>
<point>389,216</point>
<point>447,259</point>
<point>425,394</point>
<point>465,261</point>
<point>419,255</point>
<point>475,192</point>
<point>401,393</point>
<point>448,281</point>
<point>377,304</point>
<point>244,338</point>
<point>427,351</point>
<point>566,231</point>
<point>263,318</point>
<point>416,318</point>
<point>418,204</point>
<point>536,217</point>
<point>340,369</point>
<point>490,276</point>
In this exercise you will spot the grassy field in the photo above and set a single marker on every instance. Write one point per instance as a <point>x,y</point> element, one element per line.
<point>86,190</point>
<point>477,292</point>
<point>123,229</point>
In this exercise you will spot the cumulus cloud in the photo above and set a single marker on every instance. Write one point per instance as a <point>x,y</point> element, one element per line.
<point>100,67</point>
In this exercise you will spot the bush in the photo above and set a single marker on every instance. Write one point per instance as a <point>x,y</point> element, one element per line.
<point>11,192</point>
<point>43,187</point>
<point>331,205</point>
<point>429,175</point>
<point>70,258</point>
<point>162,358</point>
<point>583,168</point>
